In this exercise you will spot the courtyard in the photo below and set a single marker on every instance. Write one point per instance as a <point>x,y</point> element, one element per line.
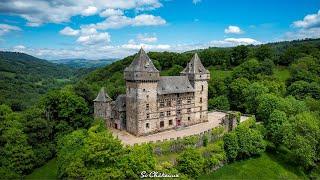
<point>214,119</point>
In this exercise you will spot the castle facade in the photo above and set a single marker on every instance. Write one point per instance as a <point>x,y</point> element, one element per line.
<point>155,103</point>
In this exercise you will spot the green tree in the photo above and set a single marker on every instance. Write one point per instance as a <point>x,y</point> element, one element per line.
<point>239,54</point>
<point>274,127</point>
<point>231,146</point>
<point>264,52</point>
<point>190,162</point>
<point>251,93</point>
<point>220,102</point>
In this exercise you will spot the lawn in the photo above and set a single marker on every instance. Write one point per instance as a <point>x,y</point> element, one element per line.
<point>48,171</point>
<point>264,167</point>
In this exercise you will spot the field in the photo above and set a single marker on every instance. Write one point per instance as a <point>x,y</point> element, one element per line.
<point>264,167</point>
<point>48,171</point>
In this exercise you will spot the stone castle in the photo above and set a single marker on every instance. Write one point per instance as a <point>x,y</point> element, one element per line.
<point>155,103</point>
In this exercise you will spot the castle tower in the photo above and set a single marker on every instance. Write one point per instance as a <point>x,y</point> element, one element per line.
<point>198,77</point>
<point>102,106</point>
<point>141,94</point>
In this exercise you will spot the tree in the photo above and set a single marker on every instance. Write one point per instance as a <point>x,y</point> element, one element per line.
<point>236,95</point>
<point>231,146</point>
<point>274,127</point>
<point>248,69</point>
<point>302,136</point>
<point>264,52</point>
<point>267,103</point>
<point>239,54</point>
<point>190,162</point>
<point>251,92</point>
<point>220,102</point>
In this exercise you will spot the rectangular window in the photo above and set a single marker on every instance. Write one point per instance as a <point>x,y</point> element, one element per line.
<point>189,118</point>
<point>200,108</point>
<point>161,114</point>
<point>200,100</point>
<point>147,125</point>
<point>147,106</point>
<point>148,116</point>
<point>201,87</point>
<point>161,124</point>
<point>169,103</point>
<point>178,112</point>
<point>161,104</point>
<point>179,102</point>
<point>189,110</point>
<point>189,101</point>
<point>168,113</point>
<point>170,122</point>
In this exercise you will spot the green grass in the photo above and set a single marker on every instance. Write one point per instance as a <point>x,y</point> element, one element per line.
<point>281,73</point>
<point>48,171</point>
<point>217,73</point>
<point>264,167</point>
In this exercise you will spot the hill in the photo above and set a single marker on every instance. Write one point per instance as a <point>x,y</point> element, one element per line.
<point>84,63</point>
<point>23,78</point>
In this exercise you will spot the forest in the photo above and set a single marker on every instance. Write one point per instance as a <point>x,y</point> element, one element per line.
<point>277,83</point>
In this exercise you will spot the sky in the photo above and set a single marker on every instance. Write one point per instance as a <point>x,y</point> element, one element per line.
<point>96,29</point>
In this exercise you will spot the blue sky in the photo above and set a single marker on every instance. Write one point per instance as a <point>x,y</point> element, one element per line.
<point>54,29</point>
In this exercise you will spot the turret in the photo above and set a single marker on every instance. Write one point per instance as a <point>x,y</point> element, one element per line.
<point>141,69</point>
<point>102,105</point>
<point>198,76</point>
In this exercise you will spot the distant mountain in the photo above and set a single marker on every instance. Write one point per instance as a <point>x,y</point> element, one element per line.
<point>84,63</point>
<point>23,78</point>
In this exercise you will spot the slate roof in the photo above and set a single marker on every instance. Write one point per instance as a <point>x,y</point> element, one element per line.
<point>174,84</point>
<point>141,63</point>
<point>195,66</point>
<point>121,102</point>
<point>102,96</point>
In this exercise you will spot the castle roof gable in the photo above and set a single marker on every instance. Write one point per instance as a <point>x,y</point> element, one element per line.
<point>174,84</point>
<point>141,63</point>
<point>102,96</point>
<point>195,66</point>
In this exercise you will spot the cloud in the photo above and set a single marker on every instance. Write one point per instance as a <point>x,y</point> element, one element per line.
<point>309,21</point>
<point>114,22</point>
<point>68,31</point>
<point>99,49</point>
<point>196,1</point>
<point>309,27</point>
<point>233,30</point>
<point>91,10</point>
<point>146,38</point>
<point>111,12</point>
<point>19,47</point>
<point>38,12</point>
<point>6,28</point>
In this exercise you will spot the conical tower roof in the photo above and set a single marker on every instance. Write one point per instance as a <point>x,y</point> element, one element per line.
<point>195,66</point>
<point>141,63</point>
<point>102,96</point>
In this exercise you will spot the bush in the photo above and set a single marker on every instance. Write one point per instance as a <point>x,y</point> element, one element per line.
<point>190,162</point>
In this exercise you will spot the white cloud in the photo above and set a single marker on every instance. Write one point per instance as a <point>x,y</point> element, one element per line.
<point>68,31</point>
<point>146,38</point>
<point>91,10</point>
<point>114,22</point>
<point>309,21</point>
<point>19,47</point>
<point>6,28</point>
<point>94,39</point>
<point>309,27</point>
<point>37,12</point>
<point>196,1</point>
<point>111,12</point>
<point>233,30</point>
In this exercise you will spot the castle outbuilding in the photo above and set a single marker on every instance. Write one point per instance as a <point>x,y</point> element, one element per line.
<point>155,103</point>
